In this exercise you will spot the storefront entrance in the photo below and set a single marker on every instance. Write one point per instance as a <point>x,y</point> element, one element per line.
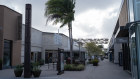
<point>35,56</point>
<point>7,54</point>
<point>133,52</point>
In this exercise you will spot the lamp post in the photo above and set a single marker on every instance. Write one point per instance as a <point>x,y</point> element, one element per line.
<point>60,62</point>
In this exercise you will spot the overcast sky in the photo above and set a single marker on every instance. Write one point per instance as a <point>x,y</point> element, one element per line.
<point>93,18</point>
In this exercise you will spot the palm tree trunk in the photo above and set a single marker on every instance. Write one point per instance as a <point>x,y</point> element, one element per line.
<point>71,41</point>
<point>71,44</point>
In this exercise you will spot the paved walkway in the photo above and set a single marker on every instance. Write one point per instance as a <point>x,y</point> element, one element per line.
<point>105,70</point>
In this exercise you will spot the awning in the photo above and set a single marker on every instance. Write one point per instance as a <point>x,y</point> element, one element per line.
<point>123,31</point>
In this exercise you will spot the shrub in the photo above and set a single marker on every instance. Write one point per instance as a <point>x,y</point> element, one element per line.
<point>95,62</point>
<point>80,67</point>
<point>18,70</point>
<point>72,67</point>
<point>35,64</point>
<point>36,71</point>
<point>19,67</point>
<point>41,62</point>
<point>68,67</point>
<point>90,62</point>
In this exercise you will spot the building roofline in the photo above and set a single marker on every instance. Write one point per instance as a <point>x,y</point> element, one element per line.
<point>34,28</point>
<point>10,9</point>
<point>118,15</point>
<point>55,33</point>
<point>117,19</point>
<point>47,32</point>
<point>37,29</point>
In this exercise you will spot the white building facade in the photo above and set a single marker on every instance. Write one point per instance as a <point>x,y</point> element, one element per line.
<point>44,45</point>
<point>36,44</point>
<point>52,41</point>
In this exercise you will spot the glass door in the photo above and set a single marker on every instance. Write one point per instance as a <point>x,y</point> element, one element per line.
<point>46,57</point>
<point>133,51</point>
<point>7,54</point>
<point>138,47</point>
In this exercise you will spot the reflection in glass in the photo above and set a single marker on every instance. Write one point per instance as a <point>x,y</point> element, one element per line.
<point>134,65</point>
<point>131,11</point>
<point>7,54</point>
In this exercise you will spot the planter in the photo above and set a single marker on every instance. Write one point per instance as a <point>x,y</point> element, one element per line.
<point>18,70</point>
<point>18,73</point>
<point>36,73</point>
<point>0,64</point>
<point>102,58</point>
<point>95,64</point>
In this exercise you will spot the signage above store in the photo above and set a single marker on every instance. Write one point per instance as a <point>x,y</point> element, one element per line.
<point>121,40</point>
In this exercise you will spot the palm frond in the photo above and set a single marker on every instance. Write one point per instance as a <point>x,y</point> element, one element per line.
<point>60,11</point>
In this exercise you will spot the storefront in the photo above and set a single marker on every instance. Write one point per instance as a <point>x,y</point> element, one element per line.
<point>7,54</point>
<point>134,31</point>
<point>10,37</point>
<point>134,37</point>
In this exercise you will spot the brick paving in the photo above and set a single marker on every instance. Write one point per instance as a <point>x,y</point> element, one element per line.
<point>105,70</point>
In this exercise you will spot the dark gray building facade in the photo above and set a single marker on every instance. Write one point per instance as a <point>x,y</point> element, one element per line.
<point>10,37</point>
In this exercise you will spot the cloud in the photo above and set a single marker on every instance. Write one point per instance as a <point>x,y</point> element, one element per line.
<point>84,5</point>
<point>95,23</point>
<point>93,18</point>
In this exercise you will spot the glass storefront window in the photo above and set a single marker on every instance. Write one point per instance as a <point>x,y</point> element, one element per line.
<point>133,50</point>
<point>138,46</point>
<point>7,54</point>
<point>131,11</point>
<point>136,10</point>
<point>134,15</point>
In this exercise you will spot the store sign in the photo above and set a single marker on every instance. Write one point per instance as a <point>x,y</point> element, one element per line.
<point>62,61</point>
<point>121,40</point>
<point>57,39</point>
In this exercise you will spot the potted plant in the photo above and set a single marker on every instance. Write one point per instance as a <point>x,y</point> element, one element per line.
<point>95,62</point>
<point>102,58</point>
<point>41,62</point>
<point>0,64</point>
<point>36,71</point>
<point>18,70</point>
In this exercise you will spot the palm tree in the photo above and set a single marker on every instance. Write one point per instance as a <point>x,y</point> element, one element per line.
<point>61,11</point>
